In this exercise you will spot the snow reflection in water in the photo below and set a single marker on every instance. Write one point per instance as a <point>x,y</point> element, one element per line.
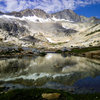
<point>50,68</point>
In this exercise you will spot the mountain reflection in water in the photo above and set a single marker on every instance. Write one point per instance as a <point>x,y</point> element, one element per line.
<point>52,68</point>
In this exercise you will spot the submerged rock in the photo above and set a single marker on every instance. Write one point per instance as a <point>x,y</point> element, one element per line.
<point>50,96</point>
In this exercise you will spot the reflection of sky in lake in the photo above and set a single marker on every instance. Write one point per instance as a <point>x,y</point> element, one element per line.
<point>89,83</point>
<point>67,71</point>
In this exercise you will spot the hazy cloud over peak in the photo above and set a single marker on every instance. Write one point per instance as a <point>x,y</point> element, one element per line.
<point>46,5</point>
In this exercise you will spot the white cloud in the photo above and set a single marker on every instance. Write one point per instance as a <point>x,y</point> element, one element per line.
<point>47,5</point>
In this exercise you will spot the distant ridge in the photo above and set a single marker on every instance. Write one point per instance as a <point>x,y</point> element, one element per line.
<point>65,14</point>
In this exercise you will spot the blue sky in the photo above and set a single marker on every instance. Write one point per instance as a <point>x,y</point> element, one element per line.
<point>82,7</point>
<point>90,10</point>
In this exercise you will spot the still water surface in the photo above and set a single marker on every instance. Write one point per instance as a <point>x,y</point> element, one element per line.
<point>52,71</point>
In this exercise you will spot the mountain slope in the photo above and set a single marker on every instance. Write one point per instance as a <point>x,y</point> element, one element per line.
<point>39,29</point>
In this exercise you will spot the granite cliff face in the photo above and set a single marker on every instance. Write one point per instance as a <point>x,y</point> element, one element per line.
<point>37,28</point>
<point>29,12</point>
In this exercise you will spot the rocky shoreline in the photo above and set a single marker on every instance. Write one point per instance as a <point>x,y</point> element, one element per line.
<point>90,52</point>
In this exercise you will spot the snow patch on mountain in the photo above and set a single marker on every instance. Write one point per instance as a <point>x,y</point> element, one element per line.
<point>34,18</point>
<point>56,19</point>
<point>50,40</point>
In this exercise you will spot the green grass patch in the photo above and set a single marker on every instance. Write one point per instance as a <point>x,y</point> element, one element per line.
<point>60,43</point>
<point>83,50</point>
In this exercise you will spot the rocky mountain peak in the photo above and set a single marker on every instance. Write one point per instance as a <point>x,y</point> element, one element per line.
<point>40,13</point>
<point>30,12</point>
<point>67,10</point>
<point>67,15</point>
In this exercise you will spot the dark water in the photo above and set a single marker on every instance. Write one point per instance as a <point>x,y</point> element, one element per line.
<point>55,71</point>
